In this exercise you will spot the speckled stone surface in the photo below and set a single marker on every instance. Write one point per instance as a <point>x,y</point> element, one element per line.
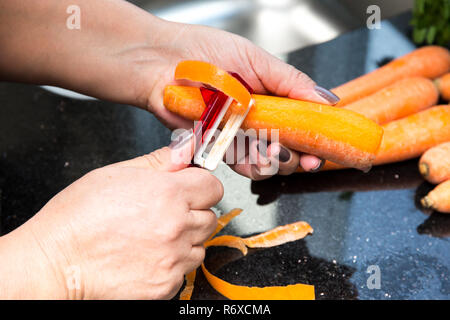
<point>359,220</point>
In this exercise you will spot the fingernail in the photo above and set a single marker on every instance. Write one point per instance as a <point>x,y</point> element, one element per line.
<point>181,139</point>
<point>318,167</point>
<point>262,149</point>
<point>327,95</point>
<point>284,155</point>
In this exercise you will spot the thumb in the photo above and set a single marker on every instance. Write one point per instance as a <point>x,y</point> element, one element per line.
<point>175,157</point>
<point>285,80</point>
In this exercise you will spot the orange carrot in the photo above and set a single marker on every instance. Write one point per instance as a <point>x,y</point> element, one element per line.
<point>439,198</point>
<point>443,85</point>
<point>333,133</point>
<point>429,62</point>
<point>399,100</point>
<point>434,165</point>
<point>410,137</point>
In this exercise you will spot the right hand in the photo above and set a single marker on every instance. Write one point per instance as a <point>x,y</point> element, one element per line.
<point>133,229</point>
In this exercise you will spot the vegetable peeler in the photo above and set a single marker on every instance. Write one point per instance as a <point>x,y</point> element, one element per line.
<point>210,144</point>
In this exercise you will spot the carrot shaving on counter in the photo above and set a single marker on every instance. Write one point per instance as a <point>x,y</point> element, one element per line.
<point>186,294</point>
<point>271,238</point>
<point>217,78</point>
<point>235,292</point>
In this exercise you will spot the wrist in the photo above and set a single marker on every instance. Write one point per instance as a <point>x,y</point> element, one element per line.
<point>33,270</point>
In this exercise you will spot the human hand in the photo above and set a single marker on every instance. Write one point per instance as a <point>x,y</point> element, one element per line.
<point>134,58</point>
<point>131,229</point>
<point>262,71</point>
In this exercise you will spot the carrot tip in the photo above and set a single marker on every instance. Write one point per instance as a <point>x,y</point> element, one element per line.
<point>427,202</point>
<point>424,169</point>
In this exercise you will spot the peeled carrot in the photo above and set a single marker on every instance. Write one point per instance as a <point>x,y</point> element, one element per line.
<point>439,198</point>
<point>434,165</point>
<point>443,85</point>
<point>410,137</point>
<point>429,62</point>
<point>399,100</point>
<point>333,133</point>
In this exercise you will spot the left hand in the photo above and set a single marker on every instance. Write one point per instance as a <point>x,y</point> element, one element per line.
<point>263,72</point>
<point>129,56</point>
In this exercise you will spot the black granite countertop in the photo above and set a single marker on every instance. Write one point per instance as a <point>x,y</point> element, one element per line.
<point>360,220</point>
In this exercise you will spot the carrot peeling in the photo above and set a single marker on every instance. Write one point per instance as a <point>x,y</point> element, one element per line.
<point>235,292</point>
<point>221,80</point>
<point>274,237</point>
<point>337,134</point>
<point>429,62</point>
<point>186,293</point>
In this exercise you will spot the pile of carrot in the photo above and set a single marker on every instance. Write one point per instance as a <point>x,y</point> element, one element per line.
<point>402,97</point>
<point>429,62</point>
<point>434,165</point>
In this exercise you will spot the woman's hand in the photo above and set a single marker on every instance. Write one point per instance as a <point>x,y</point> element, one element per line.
<point>129,56</point>
<point>263,72</point>
<point>130,230</point>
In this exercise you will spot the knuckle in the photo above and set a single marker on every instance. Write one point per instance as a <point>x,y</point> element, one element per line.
<point>215,187</point>
<point>169,262</point>
<point>201,253</point>
<point>211,220</point>
<point>175,229</point>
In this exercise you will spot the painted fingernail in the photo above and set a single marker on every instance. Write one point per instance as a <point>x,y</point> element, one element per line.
<point>284,155</point>
<point>327,95</point>
<point>318,167</point>
<point>262,149</point>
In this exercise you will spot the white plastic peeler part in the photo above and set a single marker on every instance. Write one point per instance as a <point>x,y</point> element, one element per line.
<point>225,138</point>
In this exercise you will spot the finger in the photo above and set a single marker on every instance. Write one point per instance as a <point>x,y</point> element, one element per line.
<point>283,79</point>
<point>288,160</point>
<point>172,120</point>
<point>201,224</point>
<point>173,158</point>
<point>257,165</point>
<point>311,163</point>
<point>201,189</point>
<point>194,259</point>
<point>156,106</point>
